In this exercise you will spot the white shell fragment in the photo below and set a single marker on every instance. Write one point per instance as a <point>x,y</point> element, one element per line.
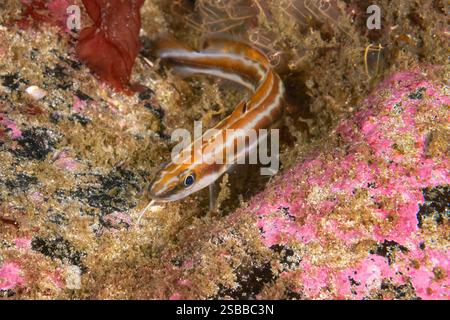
<point>35,92</point>
<point>73,277</point>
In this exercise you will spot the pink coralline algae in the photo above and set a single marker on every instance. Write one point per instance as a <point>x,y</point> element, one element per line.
<point>64,161</point>
<point>357,214</point>
<point>117,219</point>
<point>23,243</point>
<point>11,126</point>
<point>78,105</point>
<point>10,276</point>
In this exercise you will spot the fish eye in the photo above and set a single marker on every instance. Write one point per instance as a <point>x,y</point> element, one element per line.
<point>189,180</point>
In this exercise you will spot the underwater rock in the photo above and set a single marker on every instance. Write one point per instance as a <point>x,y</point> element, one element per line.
<point>369,212</point>
<point>360,218</point>
<point>35,143</point>
<point>111,193</point>
<point>58,248</point>
<point>10,126</point>
<point>22,182</point>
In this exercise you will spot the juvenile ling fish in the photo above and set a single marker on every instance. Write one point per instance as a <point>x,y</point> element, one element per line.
<point>242,64</point>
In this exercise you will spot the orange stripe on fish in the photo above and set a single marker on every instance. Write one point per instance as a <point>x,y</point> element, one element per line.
<point>235,61</point>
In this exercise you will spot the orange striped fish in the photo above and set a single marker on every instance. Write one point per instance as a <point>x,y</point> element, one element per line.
<point>242,64</point>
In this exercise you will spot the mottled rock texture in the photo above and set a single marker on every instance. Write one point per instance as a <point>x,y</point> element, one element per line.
<point>358,210</point>
<point>370,211</point>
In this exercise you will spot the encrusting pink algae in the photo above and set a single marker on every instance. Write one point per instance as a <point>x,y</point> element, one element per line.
<point>10,276</point>
<point>368,188</point>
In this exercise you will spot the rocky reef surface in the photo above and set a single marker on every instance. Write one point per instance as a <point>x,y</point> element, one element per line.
<point>364,216</point>
<point>359,210</point>
<point>368,214</point>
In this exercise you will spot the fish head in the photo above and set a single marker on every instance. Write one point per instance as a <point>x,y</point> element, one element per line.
<point>174,182</point>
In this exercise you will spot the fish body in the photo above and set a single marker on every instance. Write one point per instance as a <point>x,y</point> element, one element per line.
<point>237,62</point>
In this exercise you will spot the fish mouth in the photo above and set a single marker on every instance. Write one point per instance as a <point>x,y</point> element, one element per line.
<point>165,198</point>
<point>154,195</point>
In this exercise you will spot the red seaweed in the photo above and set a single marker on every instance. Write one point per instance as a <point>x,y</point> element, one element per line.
<point>39,11</point>
<point>111,45</point>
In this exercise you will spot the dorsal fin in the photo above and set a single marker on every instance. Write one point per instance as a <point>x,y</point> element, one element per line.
<point>222,58</point>
<point>166,44</point>
<point>224,44</point>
